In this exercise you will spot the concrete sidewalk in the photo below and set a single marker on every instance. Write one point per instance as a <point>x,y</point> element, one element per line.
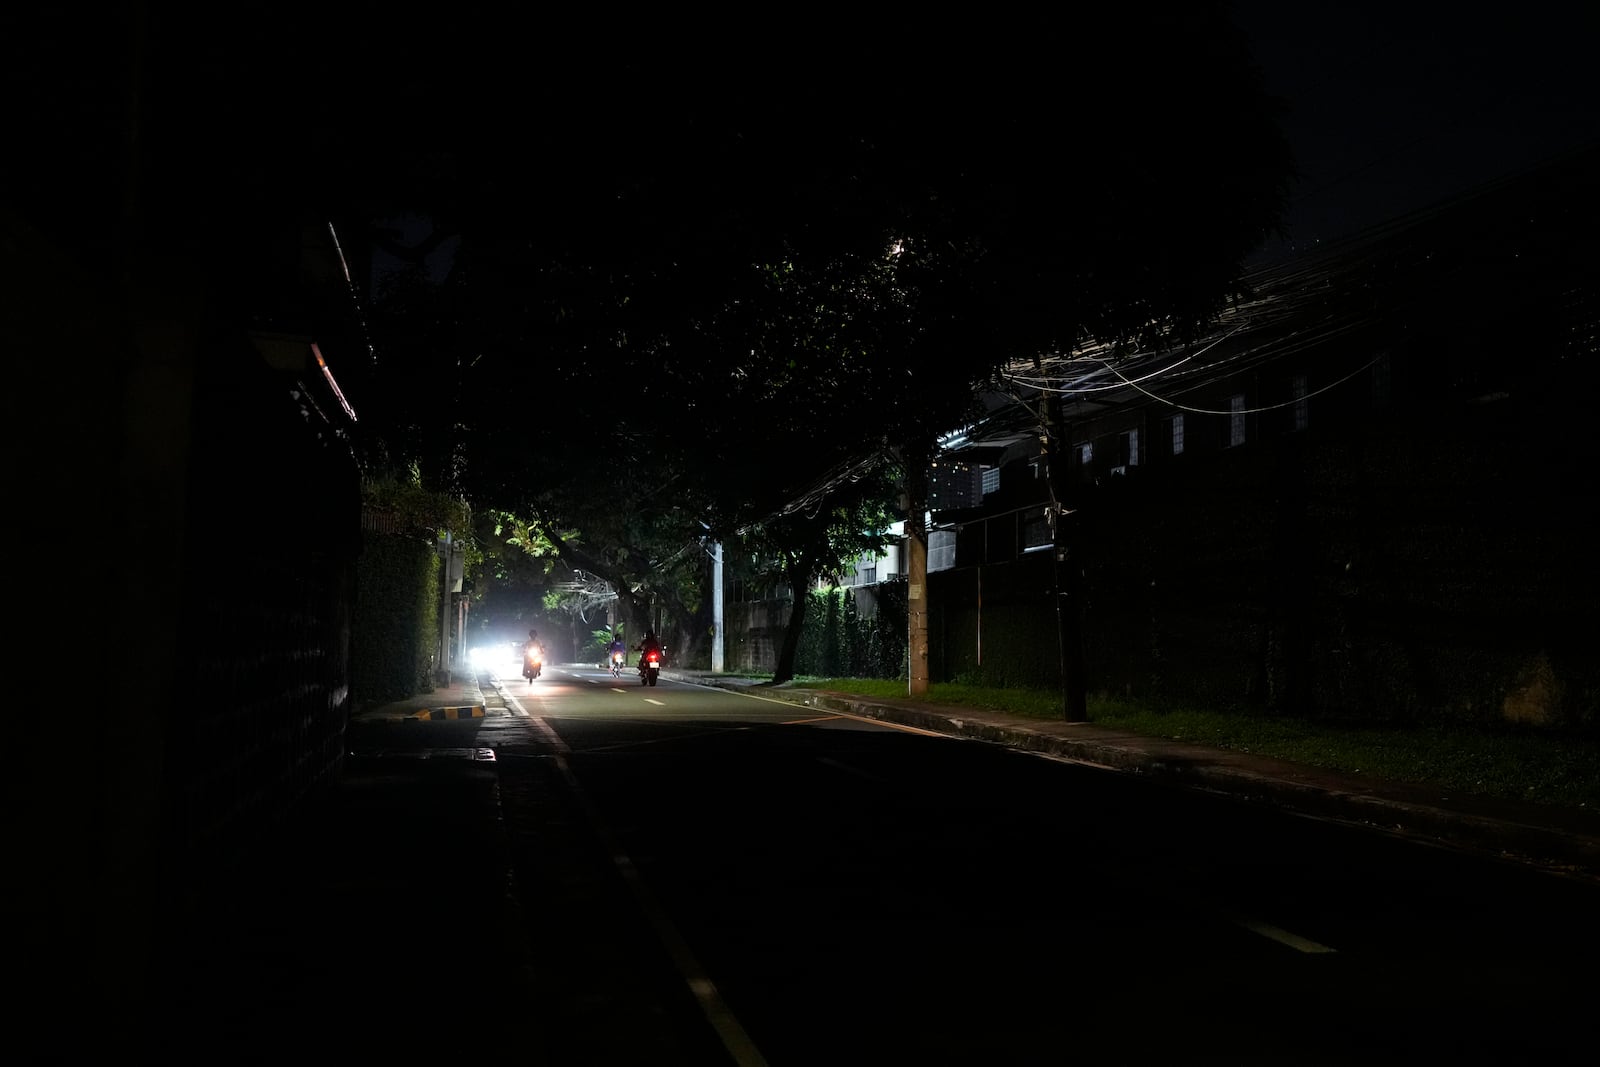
<point>1561,839</point>
<point>459,698</point>
<point>366,925</point>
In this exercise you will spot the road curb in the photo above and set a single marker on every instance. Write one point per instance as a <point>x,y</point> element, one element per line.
<point>441,714</point>
<point>470,711</point>
<point>1524,842</point>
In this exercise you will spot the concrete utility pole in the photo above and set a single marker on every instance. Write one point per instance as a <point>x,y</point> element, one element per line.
<point>718,649</point>
<point>1066,591</point>
<point>444,610</point>
<point>450,582</point>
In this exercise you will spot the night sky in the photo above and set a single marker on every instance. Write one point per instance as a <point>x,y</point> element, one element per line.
<point>1390,107</point>
<point>1393,107</point>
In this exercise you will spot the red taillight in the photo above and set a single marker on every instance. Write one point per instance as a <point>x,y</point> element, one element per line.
<point>653,658</point>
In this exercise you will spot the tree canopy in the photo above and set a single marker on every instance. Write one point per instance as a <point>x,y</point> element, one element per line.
<point>698,270</point>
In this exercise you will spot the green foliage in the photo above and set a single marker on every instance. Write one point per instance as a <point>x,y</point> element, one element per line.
<point>886,649</point>
<point>520,533</point>
<point>637,540</point>
<point>838,640</point>
<point>599,640</point>
<point>396,632</point>
<point>796,547</point>
<point>412,507</point>
<point>515,555</point>
<point>1020,647</point>
<point>396,628</point>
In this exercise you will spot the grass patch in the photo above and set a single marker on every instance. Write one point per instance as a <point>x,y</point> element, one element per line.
<point>1506,764</point>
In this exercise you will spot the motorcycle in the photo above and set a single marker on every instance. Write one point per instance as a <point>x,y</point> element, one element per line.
<point>650,667</point>
<point>618,661</point>
<point>532,662</point>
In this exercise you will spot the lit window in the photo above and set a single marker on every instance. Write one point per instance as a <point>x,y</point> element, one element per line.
<point>1177,435</point>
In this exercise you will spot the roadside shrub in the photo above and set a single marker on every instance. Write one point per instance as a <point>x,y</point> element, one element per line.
<point>840,641</point>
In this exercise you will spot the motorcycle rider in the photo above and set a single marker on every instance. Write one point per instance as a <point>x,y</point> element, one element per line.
<point>617,645</point>
<point>644,647</point>
<point>528,649</point>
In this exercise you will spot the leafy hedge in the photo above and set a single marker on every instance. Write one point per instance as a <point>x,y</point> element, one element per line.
<point>840,641</point>
<point>396,632</point>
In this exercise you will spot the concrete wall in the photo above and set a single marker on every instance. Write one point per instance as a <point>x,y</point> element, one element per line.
<point>184,550</point>
<point>1412,569</point>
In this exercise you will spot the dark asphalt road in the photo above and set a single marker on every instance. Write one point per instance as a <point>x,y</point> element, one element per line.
<point>565,886</point>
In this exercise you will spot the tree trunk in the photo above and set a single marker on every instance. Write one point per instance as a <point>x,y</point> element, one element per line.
<point>801,596</point>
<point>635,613</point>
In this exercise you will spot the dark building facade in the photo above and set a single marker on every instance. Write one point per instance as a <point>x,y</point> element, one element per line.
<point>194,462</point>
<point>1363,493</point>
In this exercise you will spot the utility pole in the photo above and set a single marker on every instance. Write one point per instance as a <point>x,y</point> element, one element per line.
<point>718,648</point>
<point>1067,593</point>
<point>443,671</point>
<point>449,582</point>
<point>916,504</point>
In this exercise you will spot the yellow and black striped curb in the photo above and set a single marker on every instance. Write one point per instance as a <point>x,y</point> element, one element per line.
<point>466,711</point>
